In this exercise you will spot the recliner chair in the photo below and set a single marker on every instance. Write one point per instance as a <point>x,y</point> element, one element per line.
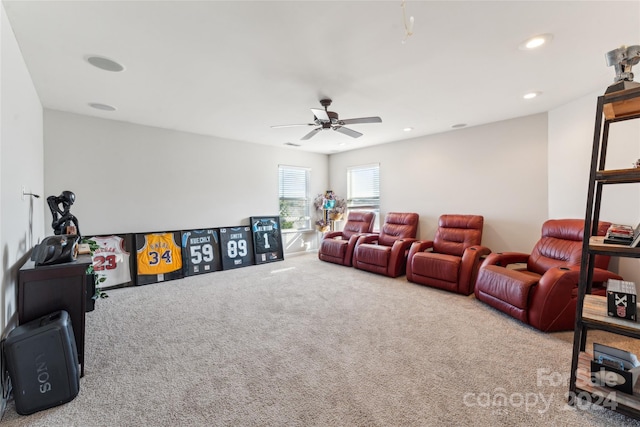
<point>386,252</point>
<point>338,246</point>
<point>543,293</point>
<point>451,260</point>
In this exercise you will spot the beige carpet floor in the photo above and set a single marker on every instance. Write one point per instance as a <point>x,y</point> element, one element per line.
<point>307,343</point>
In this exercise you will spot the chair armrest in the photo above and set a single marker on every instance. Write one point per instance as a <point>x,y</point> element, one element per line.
<point>398,258</point>
<point>419,246</point>
<point>469,266</point>
<point>600,276</point>
<point>332,235</point>
<point>351,246</point>
<point>503,259</point>
<point>367,238</point>
<point>416,247</point>
<point>550,297</point>
<point>555,293</point>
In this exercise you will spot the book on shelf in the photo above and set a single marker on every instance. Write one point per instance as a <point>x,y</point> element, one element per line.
<point>621,229</point>
<point>619,234</point>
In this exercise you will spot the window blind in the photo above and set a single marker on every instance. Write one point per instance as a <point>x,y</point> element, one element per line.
<point>293,192</point>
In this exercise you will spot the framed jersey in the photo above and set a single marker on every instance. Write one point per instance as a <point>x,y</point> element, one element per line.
<point>236,247</point>
<point>112,260</point>
<point>159,257</point>
<point>267,240</point>
<point>200,251</point>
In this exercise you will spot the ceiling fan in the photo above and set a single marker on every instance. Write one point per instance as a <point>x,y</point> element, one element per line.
<point>324,119</point>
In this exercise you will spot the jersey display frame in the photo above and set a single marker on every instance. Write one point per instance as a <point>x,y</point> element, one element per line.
<point>114,260</point>
<point>158,257</point>
<point>200,251</point>
<point>266,234</point>
<point>236,247</point>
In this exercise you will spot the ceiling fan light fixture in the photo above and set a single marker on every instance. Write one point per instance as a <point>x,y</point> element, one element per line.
<point>323,119</point>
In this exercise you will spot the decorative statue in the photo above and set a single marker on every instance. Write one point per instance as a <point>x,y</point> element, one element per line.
<point>63,221</point>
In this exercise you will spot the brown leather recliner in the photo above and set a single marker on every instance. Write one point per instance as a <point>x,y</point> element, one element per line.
<point>386,252</point>
<point>337,246</point>
<point>451,260</point>
<point>543,294</point>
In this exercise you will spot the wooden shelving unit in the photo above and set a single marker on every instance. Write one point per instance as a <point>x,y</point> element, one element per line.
<point>591,310</point>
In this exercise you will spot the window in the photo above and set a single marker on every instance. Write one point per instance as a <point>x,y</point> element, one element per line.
<point>363,189</point>
<point>293,184</point>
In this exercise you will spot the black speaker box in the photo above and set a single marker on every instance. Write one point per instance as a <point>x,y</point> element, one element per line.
<point>42,360</point>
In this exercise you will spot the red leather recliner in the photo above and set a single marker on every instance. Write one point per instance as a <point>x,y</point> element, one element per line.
<point>544,293</point>
<point>338,246</point>
<point>386,252</point>
<point>451,260</point>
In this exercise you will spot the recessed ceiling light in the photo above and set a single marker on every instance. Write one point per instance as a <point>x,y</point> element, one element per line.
<point>535,42</point>
<point>103,107</point>
<point>104,63</point>
<point>459,125</point>
<point>407,129</point>
<point>531,95</point>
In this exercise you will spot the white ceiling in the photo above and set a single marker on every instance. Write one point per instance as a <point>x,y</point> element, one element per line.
<point>234,68</point>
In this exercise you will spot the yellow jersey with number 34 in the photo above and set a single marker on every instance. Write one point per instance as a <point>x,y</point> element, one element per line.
<point>159,255</point>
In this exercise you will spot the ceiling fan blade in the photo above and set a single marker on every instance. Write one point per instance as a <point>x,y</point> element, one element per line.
<point>311,134</point>
<point>361,120</point>
<point>350,132</point>
<point>320,114</point>
<point>290,126</point>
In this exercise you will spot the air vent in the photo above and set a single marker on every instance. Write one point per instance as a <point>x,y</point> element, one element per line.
<point>292,144</point>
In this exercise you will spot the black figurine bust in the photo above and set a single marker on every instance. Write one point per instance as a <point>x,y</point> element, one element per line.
<point>63,220</point>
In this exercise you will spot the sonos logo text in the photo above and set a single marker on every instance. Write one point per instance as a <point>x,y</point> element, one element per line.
<point>43,373</point>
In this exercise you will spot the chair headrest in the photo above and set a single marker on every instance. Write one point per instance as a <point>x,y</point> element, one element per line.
<point>398,226</point>
<point>570,229</point>
<point>461,221</point>
<point>401,218</point>
<point>359,216</point>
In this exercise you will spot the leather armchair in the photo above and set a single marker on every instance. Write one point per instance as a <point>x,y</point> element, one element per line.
<point>338,246</point>
<point>543,291</point>
<point>386,252</point>
<point>451,260</point>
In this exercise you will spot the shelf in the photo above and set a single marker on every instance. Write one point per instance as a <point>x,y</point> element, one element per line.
<point>594,316</point>
<point>624,104</point>
<point>622,402</point>
<point>618,176</point>
<point>625,403</point>
<point>597,246</point>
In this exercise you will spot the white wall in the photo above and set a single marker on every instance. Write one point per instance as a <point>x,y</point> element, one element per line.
<point>571,130</point>
<point>21,164</point>
<point>130,178</point>
<point>497,170</point>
